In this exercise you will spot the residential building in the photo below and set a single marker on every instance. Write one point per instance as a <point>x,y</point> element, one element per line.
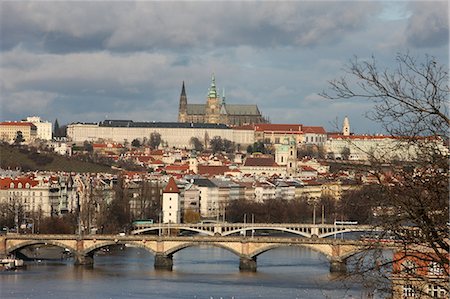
<point>9,130</point>
<point>43,128</point>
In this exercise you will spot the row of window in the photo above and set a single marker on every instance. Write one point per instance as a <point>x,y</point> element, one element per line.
<point>434,291</point>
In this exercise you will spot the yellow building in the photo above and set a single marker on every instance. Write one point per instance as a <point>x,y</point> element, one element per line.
<point>10,130</point>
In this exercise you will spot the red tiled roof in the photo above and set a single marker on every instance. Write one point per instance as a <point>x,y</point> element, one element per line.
<point>307,168</point>
<point>260,161</point>
<point>16,123</point>
<point>183,167</point>
<point>5,183</point>
<point>212,170</point>
<point>314,130</point>
<point>157,152</point>
<point>171,187</point>
<point>272,127</point>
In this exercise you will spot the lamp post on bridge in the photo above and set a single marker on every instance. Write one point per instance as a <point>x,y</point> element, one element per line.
<point>343,223</point>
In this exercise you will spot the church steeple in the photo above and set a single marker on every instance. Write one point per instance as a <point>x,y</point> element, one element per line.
<point>212,94</point>
<point>346,127</point>
<point>182,110</point>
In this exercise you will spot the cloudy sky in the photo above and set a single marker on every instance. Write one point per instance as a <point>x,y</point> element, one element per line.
<point>87,61</point>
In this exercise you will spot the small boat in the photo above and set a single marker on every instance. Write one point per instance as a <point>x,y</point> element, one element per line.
<point>11,263</point>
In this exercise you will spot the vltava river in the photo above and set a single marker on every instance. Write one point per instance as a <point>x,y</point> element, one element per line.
<point>199,272</point>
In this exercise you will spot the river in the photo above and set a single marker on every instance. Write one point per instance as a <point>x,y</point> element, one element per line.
<point>199,272</point>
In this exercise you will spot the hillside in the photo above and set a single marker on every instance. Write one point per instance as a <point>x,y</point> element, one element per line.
<point>12,157</point>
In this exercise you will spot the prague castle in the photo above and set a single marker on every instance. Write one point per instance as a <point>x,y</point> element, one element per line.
<point>216,111</point>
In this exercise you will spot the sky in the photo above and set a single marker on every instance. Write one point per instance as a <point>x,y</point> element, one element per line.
<point>93,60</point>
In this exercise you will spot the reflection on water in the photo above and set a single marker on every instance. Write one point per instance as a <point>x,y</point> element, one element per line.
<point>199,272</point>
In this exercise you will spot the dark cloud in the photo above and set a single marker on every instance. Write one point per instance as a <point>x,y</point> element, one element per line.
<point>71,27</point>
<point>428,25</point>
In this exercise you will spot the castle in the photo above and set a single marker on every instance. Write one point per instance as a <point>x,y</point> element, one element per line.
<point>216,111</point>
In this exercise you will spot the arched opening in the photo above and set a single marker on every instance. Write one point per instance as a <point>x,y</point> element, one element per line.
<point>205,259</point>
<point>42,251</point>
<point>120,254</point>
<point>292,257</point>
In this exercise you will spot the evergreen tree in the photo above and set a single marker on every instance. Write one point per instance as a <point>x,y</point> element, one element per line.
<point>56,129</point>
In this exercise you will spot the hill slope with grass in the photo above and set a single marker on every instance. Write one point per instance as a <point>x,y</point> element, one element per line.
<point>14,157</point>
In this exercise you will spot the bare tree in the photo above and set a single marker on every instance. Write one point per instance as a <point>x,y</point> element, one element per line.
<point>411,104</point>
<point>155,140</point>
<point>196,144</point>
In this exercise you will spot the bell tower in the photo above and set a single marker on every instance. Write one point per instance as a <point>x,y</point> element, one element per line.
<point>346,127</point>
<point>212,109</point>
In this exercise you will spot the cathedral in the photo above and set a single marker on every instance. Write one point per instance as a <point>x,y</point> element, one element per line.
<point>216,111</point>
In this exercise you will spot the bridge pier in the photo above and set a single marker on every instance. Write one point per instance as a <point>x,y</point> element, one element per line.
<point>338,266</point>
<point>84,259</point>
<point>247,264</point>
<point>3,251</point>
<point>163,262</point>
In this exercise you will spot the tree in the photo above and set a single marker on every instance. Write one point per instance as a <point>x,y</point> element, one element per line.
<point>216,144</point>
<point>345,153</point>
<point>257,147</point>
<point>411,104</point>
<point>136,143</point>
<point>229,146</point>
<point>155,140</point>
<point>19,137</point>
<point>56,129</point>
<point>196,144</point>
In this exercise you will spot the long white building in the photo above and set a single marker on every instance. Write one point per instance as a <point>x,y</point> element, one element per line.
<point>174,134</point>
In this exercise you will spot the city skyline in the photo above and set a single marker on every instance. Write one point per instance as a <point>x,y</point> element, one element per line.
<point>94,60</point>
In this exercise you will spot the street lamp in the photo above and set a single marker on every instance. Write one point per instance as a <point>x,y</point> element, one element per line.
<point>343,223</point>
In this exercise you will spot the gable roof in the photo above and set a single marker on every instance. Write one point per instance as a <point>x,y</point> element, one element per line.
<point>171,186</point>
<point>314,130</point>
<point>195,108</point>
<point>237,109</point>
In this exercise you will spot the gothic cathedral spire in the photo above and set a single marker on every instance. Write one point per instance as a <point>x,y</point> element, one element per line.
<point>182,111</point>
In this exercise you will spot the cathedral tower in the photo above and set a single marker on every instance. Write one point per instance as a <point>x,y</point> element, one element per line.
<point>212,109</point>
<point>182,110</point>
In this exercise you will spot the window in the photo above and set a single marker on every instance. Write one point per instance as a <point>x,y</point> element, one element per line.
<point>408,291</point>
<point>409,267</point>
<point>436,291</point>
<point>435,269</point>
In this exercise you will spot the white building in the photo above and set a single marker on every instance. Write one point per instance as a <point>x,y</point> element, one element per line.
<point>173,134</point>
<point>44,128</point>
<point>385,148</point>
<point>171,203</point>
<point>46,194</point>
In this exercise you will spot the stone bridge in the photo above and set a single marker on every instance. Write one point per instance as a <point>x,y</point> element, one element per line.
<point>246,248</point>
<point>227,229</point>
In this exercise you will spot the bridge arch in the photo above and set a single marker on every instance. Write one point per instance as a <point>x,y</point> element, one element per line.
<point>345,231</point>
<point>192,229</point>
<point>180,247</point>
<point>90,250</point>
<point>324,250</point>
<point>281,229</point>
<point>28,243</point>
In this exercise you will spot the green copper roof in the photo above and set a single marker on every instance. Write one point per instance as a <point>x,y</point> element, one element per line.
<point>212,94</point>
